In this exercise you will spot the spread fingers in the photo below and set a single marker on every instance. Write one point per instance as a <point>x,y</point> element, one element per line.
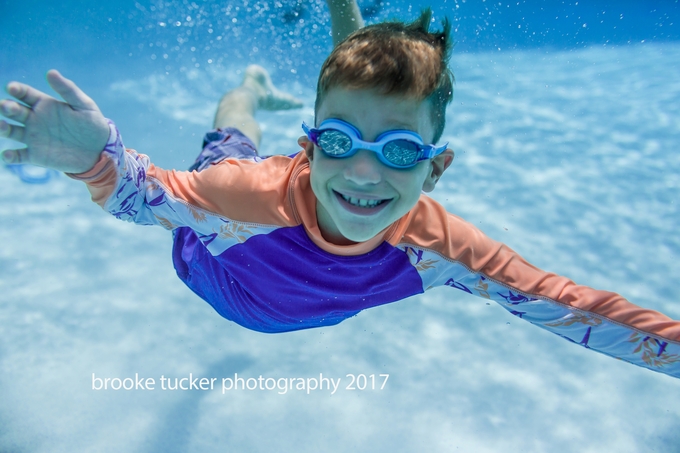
<point>26,94</point>
<point>14,111</point>
<point>12,131</point>
<point>15,156</point>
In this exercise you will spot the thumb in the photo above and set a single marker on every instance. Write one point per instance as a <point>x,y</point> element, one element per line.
<point>69,91</point>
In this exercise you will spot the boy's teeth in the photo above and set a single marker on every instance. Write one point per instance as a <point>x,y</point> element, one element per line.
<point>361,202</point>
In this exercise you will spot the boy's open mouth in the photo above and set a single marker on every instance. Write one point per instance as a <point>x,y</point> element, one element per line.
<point>361,205</point>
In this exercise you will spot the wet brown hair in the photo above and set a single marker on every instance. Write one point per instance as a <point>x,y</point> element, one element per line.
<point>395,58</point>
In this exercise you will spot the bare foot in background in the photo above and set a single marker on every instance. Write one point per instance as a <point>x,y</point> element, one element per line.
<point>257,79</point>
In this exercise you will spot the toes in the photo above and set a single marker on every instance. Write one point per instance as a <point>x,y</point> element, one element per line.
<point>277,100</point>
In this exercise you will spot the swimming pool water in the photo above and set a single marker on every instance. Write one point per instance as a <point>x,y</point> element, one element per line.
<point>565,150</point>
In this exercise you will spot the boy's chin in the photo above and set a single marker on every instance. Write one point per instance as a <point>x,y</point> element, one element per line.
<point>361,234</point>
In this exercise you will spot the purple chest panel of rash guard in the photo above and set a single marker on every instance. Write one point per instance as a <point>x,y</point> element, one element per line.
<point>282,281</point>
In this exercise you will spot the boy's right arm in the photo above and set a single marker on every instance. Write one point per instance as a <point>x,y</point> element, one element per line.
<point>74,137</point>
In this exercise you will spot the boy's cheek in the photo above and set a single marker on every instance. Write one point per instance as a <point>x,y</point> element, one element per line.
<point>317,178</point>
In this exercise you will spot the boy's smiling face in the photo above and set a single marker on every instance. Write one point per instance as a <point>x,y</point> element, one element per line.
<point>343,185</point>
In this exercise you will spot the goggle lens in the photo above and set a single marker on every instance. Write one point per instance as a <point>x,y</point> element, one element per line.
<point>401,152</point>
<point>334,143</point>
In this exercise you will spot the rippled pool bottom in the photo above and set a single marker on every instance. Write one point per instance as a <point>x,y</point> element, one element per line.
<point>568,157</point>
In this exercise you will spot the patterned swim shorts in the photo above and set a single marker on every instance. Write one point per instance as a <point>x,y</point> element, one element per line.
<point>220,144</point>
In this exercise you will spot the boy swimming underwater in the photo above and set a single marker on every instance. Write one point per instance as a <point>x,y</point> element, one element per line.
<point>341,226</point>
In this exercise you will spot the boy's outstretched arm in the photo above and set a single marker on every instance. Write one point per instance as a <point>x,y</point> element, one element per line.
<point>66,136</point>
<point>345,18</point>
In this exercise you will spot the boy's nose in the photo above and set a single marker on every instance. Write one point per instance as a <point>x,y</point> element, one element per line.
<point>363,168</point>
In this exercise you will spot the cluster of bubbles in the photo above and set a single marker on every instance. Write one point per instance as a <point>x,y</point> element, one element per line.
<point>287,36</point>
<point>293,36</point>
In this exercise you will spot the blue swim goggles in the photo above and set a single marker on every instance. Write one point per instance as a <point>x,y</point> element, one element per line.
<point>396,149</point>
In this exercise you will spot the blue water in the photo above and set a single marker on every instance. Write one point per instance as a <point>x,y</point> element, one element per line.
<point>566,143</point>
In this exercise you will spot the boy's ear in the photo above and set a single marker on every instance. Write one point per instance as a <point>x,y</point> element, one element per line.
<point>308,146</point>
<point>437,167</point>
